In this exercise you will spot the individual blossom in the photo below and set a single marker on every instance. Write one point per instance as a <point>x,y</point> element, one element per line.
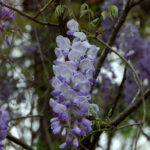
<point>74,70</point>
<point>4,119</point>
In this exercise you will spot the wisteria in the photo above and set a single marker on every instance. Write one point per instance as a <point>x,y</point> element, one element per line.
<point>68,91</point>
<point>135,48</point>
<point>74,70</point>
<point>4,119</point>
<point>6,14</point>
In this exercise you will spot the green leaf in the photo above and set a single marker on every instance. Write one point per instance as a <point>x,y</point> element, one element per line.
<point>91,13</point>
<point>59,10</point>
<point>92,138</point>
<point>104,14</point>
<point>96,21</point>
<point>84,12</point>
<point>71,13</point>
<point>92,24</point>
<point>92,35</point>
<point>84,7</point>
<point>113,9</point>
<point>110,16</point>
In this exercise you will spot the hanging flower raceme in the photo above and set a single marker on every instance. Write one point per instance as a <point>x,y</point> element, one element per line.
<point>4,119</point>
<point>74,70</point>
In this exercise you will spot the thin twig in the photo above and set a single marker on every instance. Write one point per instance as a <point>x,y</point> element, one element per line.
<point>129,125</point>
<point>119,92</point>
<point>147,136</point>
<point>137,137</point>
<point>136,2</point>
<point>26,117</point>
<point>131,108</point>
<point>47,135</point>
<point>43,9</point>
<point>134,72</point>
<point>28,16</point>
<point>41,55</point>
<point>18,142</point>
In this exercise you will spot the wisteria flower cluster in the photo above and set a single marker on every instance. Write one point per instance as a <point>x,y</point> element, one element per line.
<point>6,14</point>
<point>74,70</point>
<point>4,119</point>
<point>135,48</point>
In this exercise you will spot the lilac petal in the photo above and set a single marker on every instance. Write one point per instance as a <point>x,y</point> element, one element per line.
<point>57,130</point>
<point>75,142</point>
<point>63,116</point>
<point>74,55</point>
<point>69,139</point>
<point>92,52</point>
<point>64,131</point>
<point>54,119</point>
<point>68,103</point>
<point>52,102</point>
<point>69,32</point>
<point>77,78</point>
<point>86,64</point>
<point>86,122</point>
<point>63,42</point>
<point>63,71</point>
<point>70,94</point>
<point>55,93</point>
<point>79,46</point>
<point>76,102</point>
<point>59,108</point>
<point>71,65</point>
<point>63,145</point>
<point>55,82</point>
<point>72,25</point>
<point>85,104</point>
<point>80,35</point>
<point>77,130</point>
<point>7,41</point>
<point>84,111</point>
<point>55,124</point>
<point>58,52</point>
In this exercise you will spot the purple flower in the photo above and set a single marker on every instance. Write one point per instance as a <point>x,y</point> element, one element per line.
<point>63,145</point>
<point>6,14</point>
<point>72,25</point>
<point>63,133</point>
<point>75,142</point>
<point>4,119</point>
<point>73,70</point>
<point>63,43</point>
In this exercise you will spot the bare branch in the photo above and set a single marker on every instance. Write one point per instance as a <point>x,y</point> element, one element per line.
<point>147,136</point>
<point>131,108</point>
<point>119,91</point>
<point>134,72</point>
<point>28,16</point>
<point>43,9</point>
<point>136,2</point>
<point>129,125</point>
<point>26,117</point>
<point>18,142</point>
